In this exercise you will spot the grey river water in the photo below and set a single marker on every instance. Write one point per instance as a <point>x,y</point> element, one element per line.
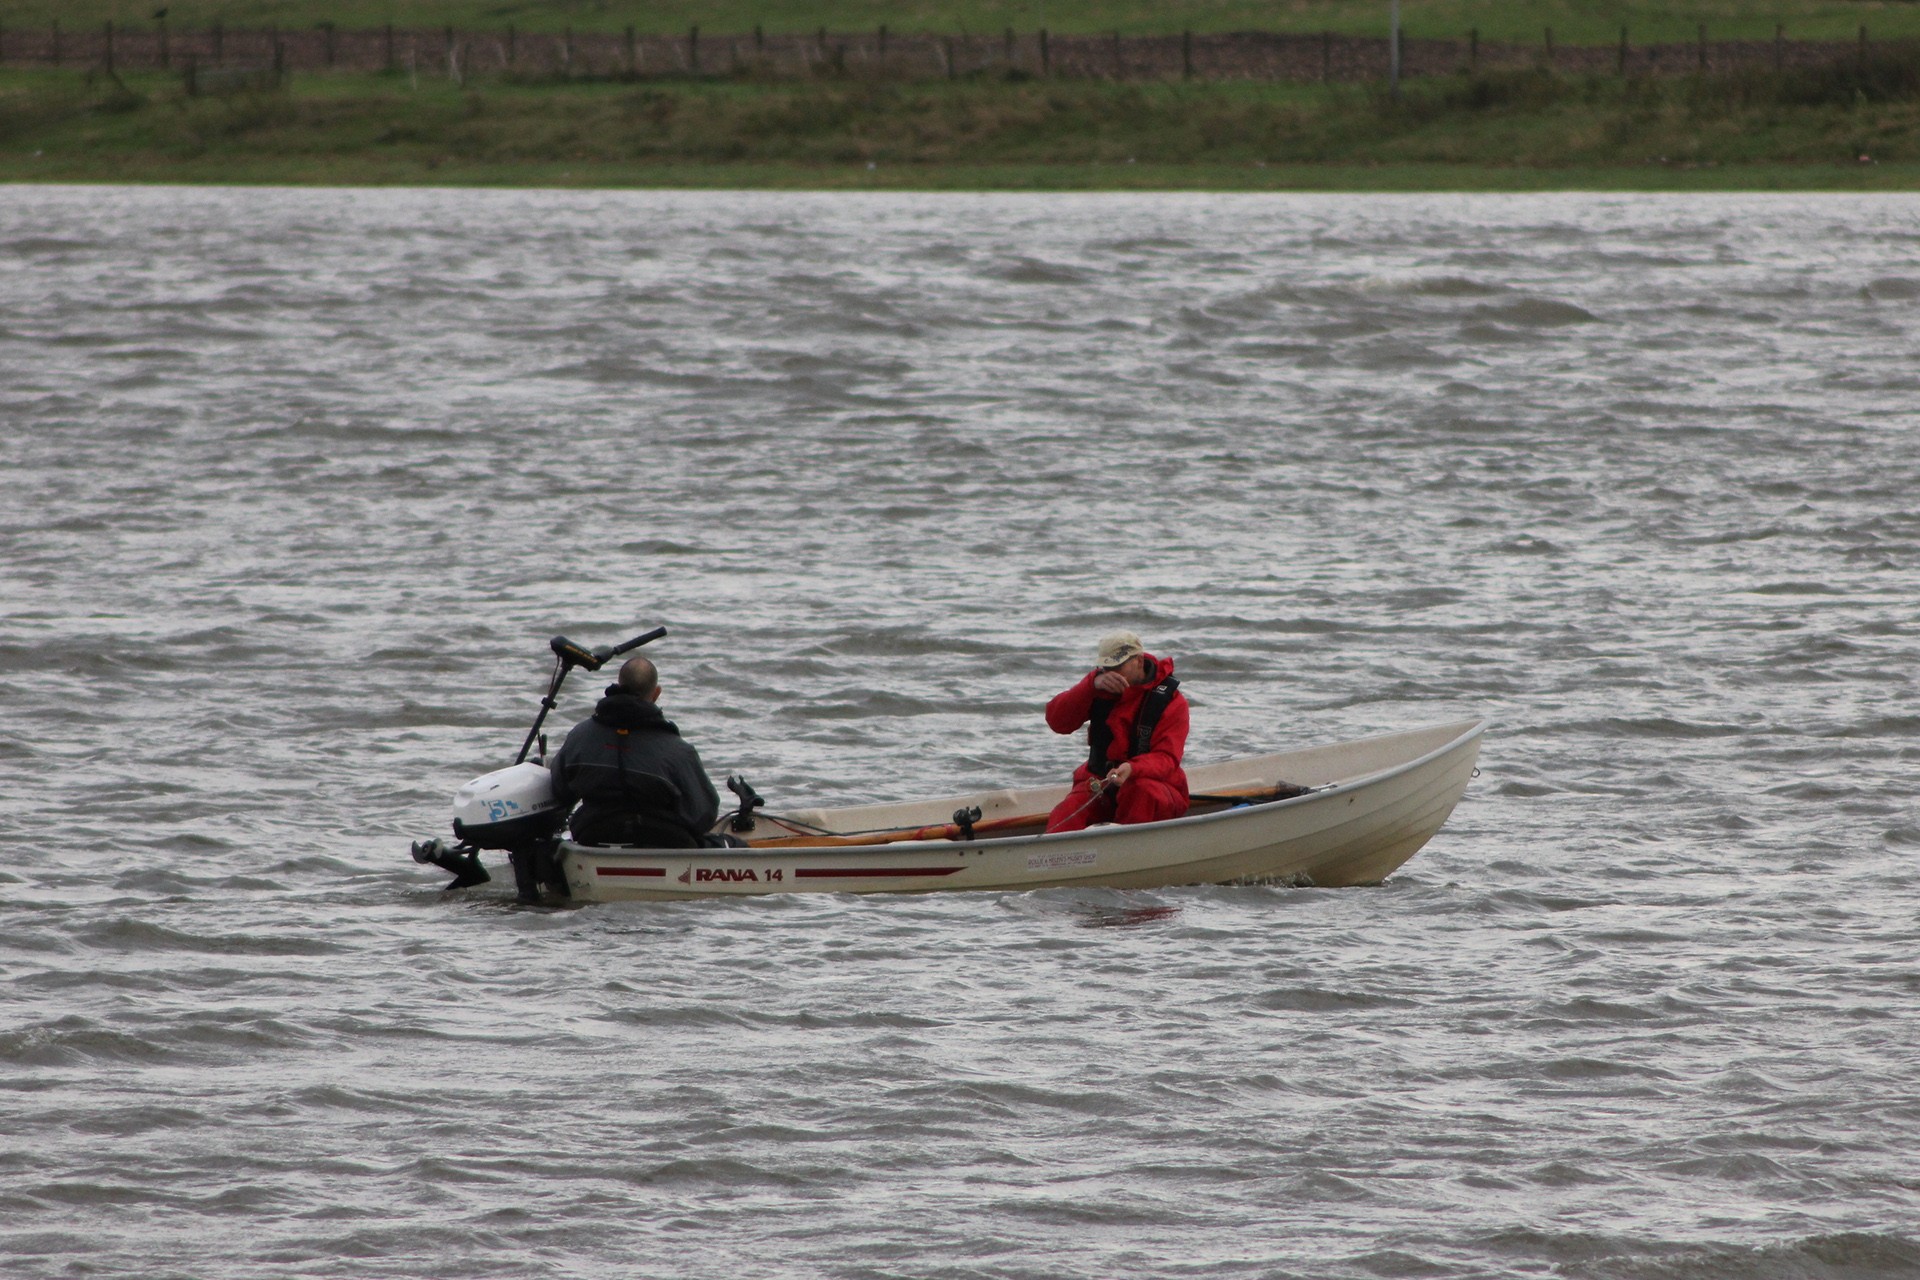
<point>297,484</point>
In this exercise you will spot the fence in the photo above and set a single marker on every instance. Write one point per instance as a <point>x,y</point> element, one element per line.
<point>880,53</point>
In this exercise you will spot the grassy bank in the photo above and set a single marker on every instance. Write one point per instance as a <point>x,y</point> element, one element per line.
<point>1528,130</point>
<point>1573,21</point>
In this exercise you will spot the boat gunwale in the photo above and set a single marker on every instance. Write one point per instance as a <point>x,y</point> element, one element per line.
<point>1477,727</point>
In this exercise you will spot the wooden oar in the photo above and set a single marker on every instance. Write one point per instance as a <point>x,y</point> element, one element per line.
<point>942,831</point>
<point>952,831</point>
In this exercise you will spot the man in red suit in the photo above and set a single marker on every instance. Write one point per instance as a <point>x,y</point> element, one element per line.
<point>1136,720</point>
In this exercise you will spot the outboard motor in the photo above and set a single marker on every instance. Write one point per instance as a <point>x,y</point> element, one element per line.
<point>513,809</point>
<point>510,809</point>
<point>506,808</point>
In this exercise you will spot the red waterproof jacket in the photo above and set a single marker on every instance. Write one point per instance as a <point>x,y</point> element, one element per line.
<point>1160,762</point>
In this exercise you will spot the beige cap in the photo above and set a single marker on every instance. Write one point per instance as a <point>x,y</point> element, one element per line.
<point>1116,647</point>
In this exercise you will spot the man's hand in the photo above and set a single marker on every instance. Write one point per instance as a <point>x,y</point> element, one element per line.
<point>1117,776</point>
<point>1111,683</point>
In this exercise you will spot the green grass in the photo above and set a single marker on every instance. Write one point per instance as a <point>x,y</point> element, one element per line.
<point>1573,21</point>
<point>1522,131</point>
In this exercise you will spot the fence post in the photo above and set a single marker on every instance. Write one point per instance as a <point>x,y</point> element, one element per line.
<point>1703,46</point>
<point>759,40</point>
<point>56,42</point>
<point>391,65</point>
<point>1779,47</point>
<point>107,35</point>
<point>946,48</point>
<point>1009,48</point>
<point>1186,53</point>
<point>632,61</point>
<point>1863,46</point>
<point>219,43</point>
<point>513,46</point>
<point>1623,51</point>
<point>160,29</point>
<point>880,38</point>
<point>566,51</point>
<point>1549,47</point>
<point>279,54</point>
<point>1473,50</point>
<point>1119,65</point>
<point>1046,56</point>
<point>1393,50</point>
<point>693,48</point>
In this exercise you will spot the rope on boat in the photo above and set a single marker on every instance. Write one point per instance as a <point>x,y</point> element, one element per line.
<point>800,828</point>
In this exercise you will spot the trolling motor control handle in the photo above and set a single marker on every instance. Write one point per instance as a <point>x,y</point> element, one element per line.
<point>574,655</point>
<point>648,638</point>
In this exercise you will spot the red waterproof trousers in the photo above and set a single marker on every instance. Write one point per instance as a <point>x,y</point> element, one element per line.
<point>1140,800</point>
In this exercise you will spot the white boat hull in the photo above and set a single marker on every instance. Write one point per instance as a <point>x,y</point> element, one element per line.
<point>1376,802</point>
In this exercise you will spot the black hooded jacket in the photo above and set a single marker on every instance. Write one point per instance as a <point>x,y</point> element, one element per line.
<point>627,736</point>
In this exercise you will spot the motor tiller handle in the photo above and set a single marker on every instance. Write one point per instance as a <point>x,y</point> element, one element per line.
<point>635,643</point>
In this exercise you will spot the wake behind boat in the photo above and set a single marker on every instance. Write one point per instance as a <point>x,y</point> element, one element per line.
<point>1344,814</point>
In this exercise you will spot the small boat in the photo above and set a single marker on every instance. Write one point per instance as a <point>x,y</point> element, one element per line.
<point>1349,813</point>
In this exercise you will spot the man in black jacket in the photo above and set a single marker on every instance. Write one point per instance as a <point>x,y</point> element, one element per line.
<point>637,780</point>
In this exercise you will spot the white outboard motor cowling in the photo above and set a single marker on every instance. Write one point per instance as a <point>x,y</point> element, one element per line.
<point>508,808</point>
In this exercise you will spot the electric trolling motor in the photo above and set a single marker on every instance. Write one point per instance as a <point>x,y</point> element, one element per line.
<point>513,809</point>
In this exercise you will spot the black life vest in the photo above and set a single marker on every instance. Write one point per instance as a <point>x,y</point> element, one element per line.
<point>1100,733</point>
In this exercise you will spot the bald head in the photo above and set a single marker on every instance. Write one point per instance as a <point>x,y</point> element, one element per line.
<point>639,678</point>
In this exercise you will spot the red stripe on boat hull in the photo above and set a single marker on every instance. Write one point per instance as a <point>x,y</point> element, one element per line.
<point>629,871</point>
<point>868,873</point>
